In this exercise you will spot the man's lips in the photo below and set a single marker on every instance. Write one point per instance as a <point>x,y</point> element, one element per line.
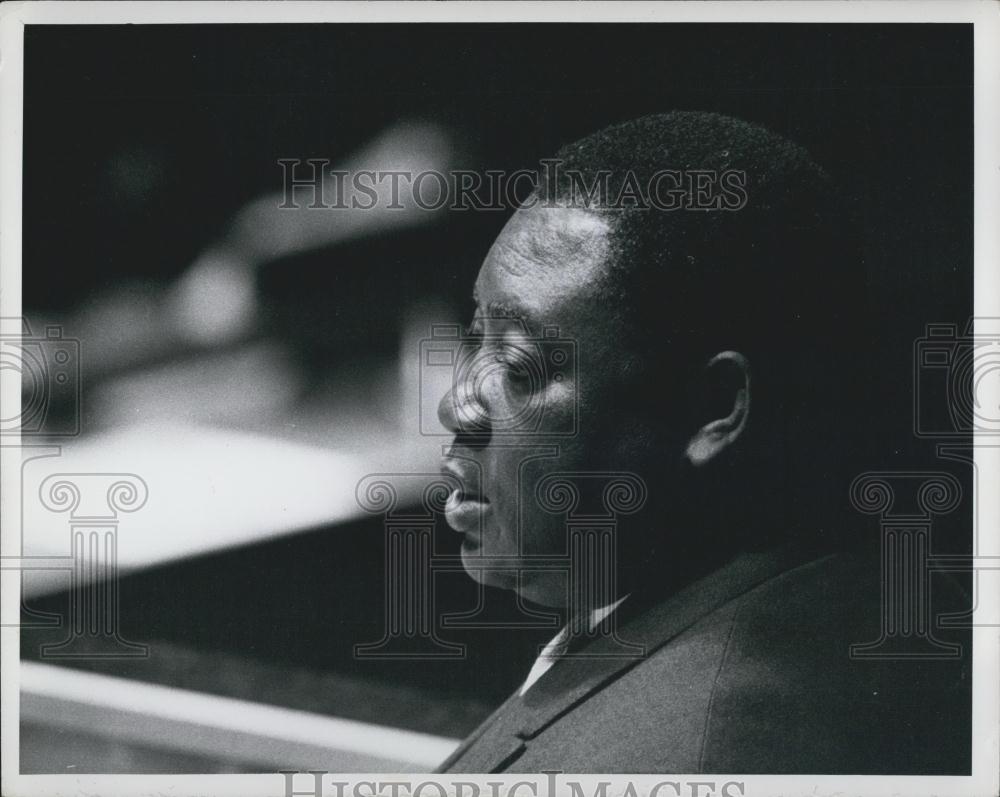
<point>464,511</point>
<point>466,504</point>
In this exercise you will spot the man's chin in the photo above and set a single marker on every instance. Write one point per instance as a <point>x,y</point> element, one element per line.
<point>475,561</point>
<point>532,586</point>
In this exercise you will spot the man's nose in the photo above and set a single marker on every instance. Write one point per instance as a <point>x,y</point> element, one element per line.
<point>461,411</point>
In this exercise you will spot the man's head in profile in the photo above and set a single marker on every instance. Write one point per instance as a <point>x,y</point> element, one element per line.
<point>708,339</point>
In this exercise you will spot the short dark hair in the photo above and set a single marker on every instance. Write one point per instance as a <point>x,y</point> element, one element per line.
<point>779,279</point>
<point>783,266</point>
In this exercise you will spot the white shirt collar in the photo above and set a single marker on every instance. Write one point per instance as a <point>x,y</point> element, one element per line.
<point>552,652</point>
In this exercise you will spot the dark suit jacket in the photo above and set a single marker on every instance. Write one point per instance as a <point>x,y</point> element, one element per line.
<point>745,671</point>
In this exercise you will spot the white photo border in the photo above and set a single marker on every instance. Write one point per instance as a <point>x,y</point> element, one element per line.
<point>984,15</point>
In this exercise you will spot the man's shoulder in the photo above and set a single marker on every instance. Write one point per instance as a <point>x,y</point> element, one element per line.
<point>766,681</point>
<point>652,713</point>
<point>805,674</point>
<point>751,670</point>
<point>784,631</point>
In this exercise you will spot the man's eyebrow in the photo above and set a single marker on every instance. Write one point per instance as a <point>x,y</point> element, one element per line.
<point>495,309</point>
<point>502,310</point>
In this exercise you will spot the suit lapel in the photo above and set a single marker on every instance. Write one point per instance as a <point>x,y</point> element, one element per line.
<point>493,743</point>
<point>580,674</point>
<point>500,740</point>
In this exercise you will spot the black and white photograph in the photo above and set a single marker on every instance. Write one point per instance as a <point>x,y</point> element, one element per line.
<point>500,399</point>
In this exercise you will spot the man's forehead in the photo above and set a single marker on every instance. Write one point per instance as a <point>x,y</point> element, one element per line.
<point>543,255</point>
<point>548,237</point>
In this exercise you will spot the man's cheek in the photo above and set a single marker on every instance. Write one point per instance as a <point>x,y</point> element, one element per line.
<point>558,409</point>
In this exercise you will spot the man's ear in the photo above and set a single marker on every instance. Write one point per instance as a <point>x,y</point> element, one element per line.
<point>725,386</point>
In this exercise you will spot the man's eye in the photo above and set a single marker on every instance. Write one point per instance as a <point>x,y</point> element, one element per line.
<point>516,365</point>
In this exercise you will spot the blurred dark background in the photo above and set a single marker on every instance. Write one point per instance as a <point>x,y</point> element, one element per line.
<point>145,147</point>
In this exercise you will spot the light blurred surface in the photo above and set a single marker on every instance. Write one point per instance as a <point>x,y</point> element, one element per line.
<point>208,489</point>
<point>86,713</point>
